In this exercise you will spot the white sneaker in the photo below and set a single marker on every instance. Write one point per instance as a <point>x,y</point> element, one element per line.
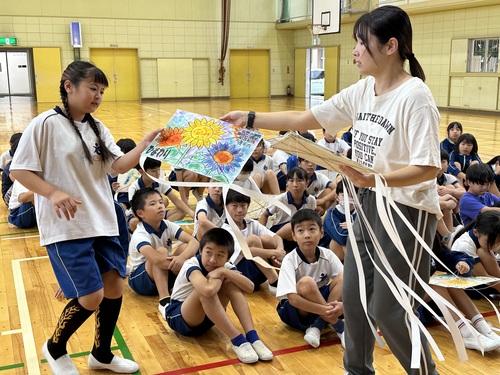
<point>162,309</point>
<point>312,336</point>
<point>118,364</point>
<point>341,336</point>
<point>487,344</point>
<point>262,351</point>
<point>272,289</point>
<point>448,241</point>
<point>60,366</point>
<point>127,270</point>
<point>246,353</point>
<point>494,337</point>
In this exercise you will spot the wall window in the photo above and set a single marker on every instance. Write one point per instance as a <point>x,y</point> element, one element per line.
<point>483,55</point>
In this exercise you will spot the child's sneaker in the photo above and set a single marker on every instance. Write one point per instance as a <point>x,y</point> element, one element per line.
<point>118,364</point>
<point>60,366</point>
<point>246,353</point>
<point>313,336</point>
<point>494,337</point>
<point>262,351</point>
<point>341,336</point>
<point>487,344</point>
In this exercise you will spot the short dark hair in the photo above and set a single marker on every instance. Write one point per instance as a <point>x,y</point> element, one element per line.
<point>149,163</point>
<point>467,138</point>
<point>126,144</point>
<point>452,124</point>
<point>494,160</point>
<point>445,155</point>
<point>235,197</point>
<point>488,223</point>
<point>248,166</point>
<point>220,237</point>
<point>479,173</point>
<point>306,214</point>
<point>308,135</point>
<point>15,137</point>
<point>139,199</point>
<point>296,171</point>
<point>340,187</point>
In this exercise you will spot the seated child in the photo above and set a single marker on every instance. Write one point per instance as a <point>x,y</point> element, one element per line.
<point>454,131</point>
<point>7,156</point>
<point>263,173</point>
<point>310,282</point>
<point>477,199</point>
<point>319,186</point>
<point>335,223</point>
<point>461,264</point>
<point>481,240</point>
<point>152,167</point>
<point>8,182</point>
<point>153,265</point>
<point>280,158</point>
<point>261,241</point>
<point>334,144</point>
<point>295,198</point>
<point>205,285</point>
<point>244,178</point>
<point>209,212</point>
<point>347,137</point>
<point>22,211</point>
<point>464,155</point>
<point>293,160</point>
<point>126,145</point>
<point>494,164</point>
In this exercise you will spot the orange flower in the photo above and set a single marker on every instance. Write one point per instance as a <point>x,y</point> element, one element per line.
<point>171,137</point>
<point>223,157</point>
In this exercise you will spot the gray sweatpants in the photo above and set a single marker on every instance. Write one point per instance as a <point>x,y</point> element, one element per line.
<point>384,310</point>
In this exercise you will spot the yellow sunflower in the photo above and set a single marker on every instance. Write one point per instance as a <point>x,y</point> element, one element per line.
<point>203,133</point>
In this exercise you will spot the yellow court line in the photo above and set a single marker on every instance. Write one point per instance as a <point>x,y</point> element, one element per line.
<point>30,350</point>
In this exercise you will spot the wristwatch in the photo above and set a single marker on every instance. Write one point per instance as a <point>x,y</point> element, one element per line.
<point>251,118</point>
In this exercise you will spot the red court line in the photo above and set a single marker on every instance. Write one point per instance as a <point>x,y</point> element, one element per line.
<point>227,362</point>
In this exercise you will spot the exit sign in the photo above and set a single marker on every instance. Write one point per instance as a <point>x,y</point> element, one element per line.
<point>8,41</point>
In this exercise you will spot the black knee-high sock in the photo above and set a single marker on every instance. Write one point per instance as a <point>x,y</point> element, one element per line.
<point>72,317</point>
<point>106,316</point>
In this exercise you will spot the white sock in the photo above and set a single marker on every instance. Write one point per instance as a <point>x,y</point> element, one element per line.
<point>480,324</point>
<point>464,330</point>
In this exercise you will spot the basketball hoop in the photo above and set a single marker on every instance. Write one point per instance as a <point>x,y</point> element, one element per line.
<point>315,30</point>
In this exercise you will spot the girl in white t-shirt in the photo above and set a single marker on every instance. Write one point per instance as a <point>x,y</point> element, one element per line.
<point>63,157</point>
<point>395,128</point>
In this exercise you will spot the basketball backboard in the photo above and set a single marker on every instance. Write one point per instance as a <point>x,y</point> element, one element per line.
<point>326,16</point>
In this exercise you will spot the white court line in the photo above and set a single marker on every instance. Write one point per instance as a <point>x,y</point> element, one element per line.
<point>11,332</point>
<point>17,238</point>
<point>30,350</point>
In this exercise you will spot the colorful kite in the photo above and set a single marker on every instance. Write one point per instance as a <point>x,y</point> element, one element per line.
<point>204,145</point>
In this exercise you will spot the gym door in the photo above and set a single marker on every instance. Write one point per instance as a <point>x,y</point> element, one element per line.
<point>249,73</point>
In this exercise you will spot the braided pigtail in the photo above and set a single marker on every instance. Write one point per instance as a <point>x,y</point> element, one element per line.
<point>105,153</point>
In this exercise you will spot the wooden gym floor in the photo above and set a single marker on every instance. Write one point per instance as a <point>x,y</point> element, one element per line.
<point>28,310</point>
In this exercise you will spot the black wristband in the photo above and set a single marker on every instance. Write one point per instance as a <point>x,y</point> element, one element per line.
<point>251,117</point>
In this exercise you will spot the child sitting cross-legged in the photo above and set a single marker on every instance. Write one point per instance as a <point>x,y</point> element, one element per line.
<point>153,265</point>
<point>261,241</point>
<point>310,282</point>
<point>204,287</point>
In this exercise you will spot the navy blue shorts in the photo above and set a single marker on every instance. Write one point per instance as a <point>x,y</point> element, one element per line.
<point>251,271</point>
<point>79,264</point>
<point>142,284</point>
<point>290,315</point>
<point>179,325</point>
<point>332,231</point>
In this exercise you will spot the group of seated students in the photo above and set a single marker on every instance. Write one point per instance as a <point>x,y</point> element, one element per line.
<point>299,255</point>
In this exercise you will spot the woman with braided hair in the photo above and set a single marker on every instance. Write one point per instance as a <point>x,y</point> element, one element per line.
<point>64,156</point>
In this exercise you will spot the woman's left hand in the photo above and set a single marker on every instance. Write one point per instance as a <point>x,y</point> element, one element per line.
<point>357,178</point>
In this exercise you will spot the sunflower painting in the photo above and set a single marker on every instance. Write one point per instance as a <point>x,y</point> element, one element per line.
<point>204,145</point>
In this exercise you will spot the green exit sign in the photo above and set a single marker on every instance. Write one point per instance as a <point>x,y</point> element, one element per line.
<point>8,41</point>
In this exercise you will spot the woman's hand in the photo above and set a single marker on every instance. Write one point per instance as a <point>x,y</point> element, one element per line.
<point>62,202</point>
<point>238,118</point>
<point>357,178</point>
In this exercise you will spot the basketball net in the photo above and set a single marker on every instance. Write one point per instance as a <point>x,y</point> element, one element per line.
<point>315,29</point>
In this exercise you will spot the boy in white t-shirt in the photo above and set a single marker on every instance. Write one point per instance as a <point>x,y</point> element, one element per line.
<point>331,142</point>
<point>319,186</point>
<point>209,212</point>
<point>263,172</point>
<point>204,287</point>
<point>152,167</point>
<point>153,264</point>
<point>310,282</point>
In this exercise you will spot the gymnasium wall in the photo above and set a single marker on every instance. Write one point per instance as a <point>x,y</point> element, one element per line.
<point>158,29</point>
